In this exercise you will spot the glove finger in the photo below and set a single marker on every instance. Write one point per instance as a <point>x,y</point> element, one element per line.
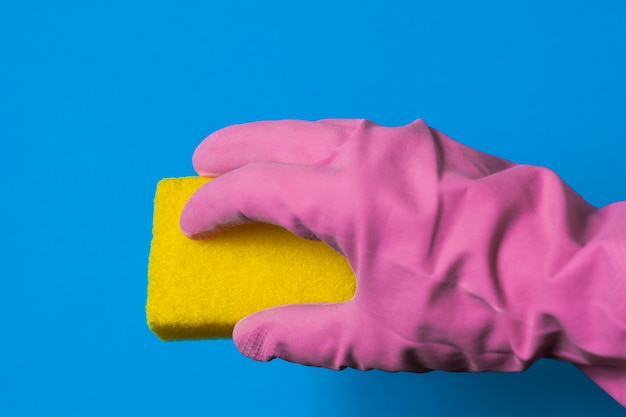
<point>309,334</point>
<point>353,123</point>
<point>269,193</point>
<point>295,142</point>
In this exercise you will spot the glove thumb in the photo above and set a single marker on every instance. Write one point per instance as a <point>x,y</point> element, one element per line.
<point>309,334</point>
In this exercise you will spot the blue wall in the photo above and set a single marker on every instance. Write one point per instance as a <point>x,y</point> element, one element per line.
<point>100,99</point>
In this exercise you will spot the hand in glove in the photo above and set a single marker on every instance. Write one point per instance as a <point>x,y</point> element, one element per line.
<point>464,261</point>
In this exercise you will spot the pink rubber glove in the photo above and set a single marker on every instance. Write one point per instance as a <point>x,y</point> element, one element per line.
<point>464,261</point>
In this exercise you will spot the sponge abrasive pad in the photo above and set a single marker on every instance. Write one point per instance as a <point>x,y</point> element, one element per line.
<point>199,289</point>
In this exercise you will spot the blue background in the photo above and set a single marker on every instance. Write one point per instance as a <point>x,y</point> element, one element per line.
<point>101,99</point>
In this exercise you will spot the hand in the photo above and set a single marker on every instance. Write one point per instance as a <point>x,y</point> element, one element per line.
<point>464,261</point>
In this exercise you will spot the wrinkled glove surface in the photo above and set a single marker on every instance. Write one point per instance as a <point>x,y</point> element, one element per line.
<point>464,261</point>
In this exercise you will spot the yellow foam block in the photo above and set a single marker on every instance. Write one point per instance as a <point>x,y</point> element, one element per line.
<point>200,289</point>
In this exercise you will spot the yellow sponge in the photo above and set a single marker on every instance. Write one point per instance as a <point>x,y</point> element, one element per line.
<point>200,289</point>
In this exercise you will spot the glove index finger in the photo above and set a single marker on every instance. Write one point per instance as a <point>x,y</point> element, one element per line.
<point>293,142</point>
